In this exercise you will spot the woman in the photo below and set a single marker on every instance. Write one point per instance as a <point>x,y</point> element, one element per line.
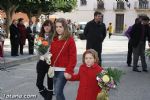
<point>64,56</point>
<point>42,66</point>
<point>23,34</point>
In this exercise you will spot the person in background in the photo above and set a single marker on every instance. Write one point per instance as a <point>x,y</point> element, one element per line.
<point>139,35</point>
<point>130,49</point>
<point>95,33</point>
<point>64,56</point>
<point>14,38</point>
<point>70,26</point>
<point>37,27</point>
<point>42,67</point>
<point>23,34</point>
<point>2,39</point>
<point>88,86</point>
<point>110,30</point>
<point>30,37</point>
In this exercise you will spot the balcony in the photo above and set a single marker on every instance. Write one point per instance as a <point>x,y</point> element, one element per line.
<point>142,5</point>
<point>83,2</point>
<point>119,6</point>
<point>99,5</point>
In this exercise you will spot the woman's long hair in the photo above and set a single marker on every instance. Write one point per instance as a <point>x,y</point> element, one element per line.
<point>66,33</point>
<point>46,23</point>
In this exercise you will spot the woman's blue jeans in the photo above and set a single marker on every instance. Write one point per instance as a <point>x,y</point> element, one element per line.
<point>59,84</point>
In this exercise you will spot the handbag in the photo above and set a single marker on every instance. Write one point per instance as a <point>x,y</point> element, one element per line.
<point>51,70</point>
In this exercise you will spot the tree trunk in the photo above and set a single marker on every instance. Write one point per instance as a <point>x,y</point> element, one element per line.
<point>38,13</point>
<point>9,14</point>
<point>29,15</point>
<point>30,18</point>
<point>8,22</point>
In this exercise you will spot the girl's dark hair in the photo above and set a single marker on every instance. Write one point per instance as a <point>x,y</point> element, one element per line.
<point>94,54</point>
<point>66,33</point>
<point>46,23</point>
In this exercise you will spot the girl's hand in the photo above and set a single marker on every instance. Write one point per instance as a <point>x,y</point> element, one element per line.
<point>67,75</point>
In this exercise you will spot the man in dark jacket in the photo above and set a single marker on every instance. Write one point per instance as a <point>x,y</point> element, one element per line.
<point>14,38</point>
<point>130,49</point>
<point>95,32</point>
<point>30,37</point>
<point>139,33</point>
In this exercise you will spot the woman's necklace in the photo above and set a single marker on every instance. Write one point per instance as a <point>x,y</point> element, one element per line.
<point>59,37</point>
<point>46,36</point>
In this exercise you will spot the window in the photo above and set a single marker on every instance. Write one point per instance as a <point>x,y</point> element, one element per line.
<point>83,2</point>
<point>100,4</point>
<point>143,4</point>
<point>120,5</point>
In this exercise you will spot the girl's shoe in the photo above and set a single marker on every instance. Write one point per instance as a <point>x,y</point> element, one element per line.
<point>44,93</point>
<point>49,95</point>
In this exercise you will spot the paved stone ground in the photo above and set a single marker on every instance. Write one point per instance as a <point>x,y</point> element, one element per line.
<point>21,79</point>
<point>9,61</point>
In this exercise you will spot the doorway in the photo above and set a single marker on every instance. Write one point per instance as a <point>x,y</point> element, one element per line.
<point>119,23</point>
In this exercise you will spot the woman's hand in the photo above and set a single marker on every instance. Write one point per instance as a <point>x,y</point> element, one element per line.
<point>67,75</point>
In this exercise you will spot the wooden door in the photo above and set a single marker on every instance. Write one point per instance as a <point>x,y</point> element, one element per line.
<point>119,23</point>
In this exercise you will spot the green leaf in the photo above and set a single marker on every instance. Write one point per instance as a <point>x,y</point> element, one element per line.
<point>147,52</point>
<point>115,74</point>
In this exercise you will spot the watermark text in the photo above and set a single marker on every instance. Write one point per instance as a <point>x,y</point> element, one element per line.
<point>20,96</point>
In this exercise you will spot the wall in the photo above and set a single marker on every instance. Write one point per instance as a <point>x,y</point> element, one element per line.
<point>85,13</point>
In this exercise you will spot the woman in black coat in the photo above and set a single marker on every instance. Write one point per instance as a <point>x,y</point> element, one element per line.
<point>42,67</point>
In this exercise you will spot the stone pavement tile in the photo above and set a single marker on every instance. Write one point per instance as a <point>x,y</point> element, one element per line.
<point>9,61</point>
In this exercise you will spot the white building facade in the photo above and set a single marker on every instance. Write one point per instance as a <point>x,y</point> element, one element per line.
<point>120,13</point>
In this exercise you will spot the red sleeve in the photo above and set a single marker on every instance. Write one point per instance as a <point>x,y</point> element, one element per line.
<point>72,56</point>
<point>99,69</point>
<point>76,77</point>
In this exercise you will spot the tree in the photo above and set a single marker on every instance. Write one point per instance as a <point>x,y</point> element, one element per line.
<point>65,5</point>
<point>38,7</point>
<point>35,7</point>
<point>9,7</point>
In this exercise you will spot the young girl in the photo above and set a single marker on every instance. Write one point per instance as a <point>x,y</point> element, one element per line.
<point>88,86</point>
<point>64,56</point>
<point>42,67</point>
